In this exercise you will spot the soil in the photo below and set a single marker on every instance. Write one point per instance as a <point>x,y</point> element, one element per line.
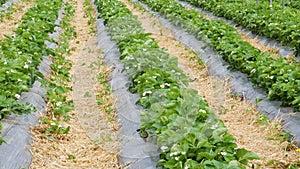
<point>12,21</point>
<point>241,118</point>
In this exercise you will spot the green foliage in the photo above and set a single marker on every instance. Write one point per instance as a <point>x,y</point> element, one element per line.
<point>278,76</point>
<point>20,55</point>
<point>189,133</point>
<point>293,3</point>
<point>297,165</point>
<point>2,2</point>
<point>274,23</point>
<point>89,11</point>
<point>54,126</point>
<point>58,86</point>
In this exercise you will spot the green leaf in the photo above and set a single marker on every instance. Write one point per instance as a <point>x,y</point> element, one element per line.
<point>244,155</point>
<point>2,140</point>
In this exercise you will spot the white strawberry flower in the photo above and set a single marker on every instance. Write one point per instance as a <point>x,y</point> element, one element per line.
<point>163,148</point>
<point>147,92</point>
<point>17,96</point>
<point>58,104</point>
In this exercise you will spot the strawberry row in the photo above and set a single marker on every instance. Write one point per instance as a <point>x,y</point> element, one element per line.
<point>278,76</point>
<point>188,132</point>
<point>274,23</point>
<point>20,55</point>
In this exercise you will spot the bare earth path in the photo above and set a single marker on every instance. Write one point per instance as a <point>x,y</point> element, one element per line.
<point>87,145</point>
<point>12,22</point>
<point>240,117</point>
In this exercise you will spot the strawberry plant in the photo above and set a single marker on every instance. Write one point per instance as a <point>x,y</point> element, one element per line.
<point>188,132</point>
<point>274,23</point>
<point>292,4</point>
<point>58,85</point>
<point>278,76</point>
<point>21,53</point>
<point>2,2</point>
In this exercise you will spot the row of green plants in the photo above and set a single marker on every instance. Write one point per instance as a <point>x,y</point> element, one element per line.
<point>21,53</point>
<point>278,3</point>
<point>58,85</point>
<point>104,95</point>
<point>6,14</point>
<point>274,23</point>
<point>89,13</point>
<point>287,3</point>
<point>278,76</point>
<point>2,2</point>
<point>293,4</point>
<point>188,132</point>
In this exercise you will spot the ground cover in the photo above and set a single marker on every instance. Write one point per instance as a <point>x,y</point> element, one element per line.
<point>80,128</point>
<point>175,113</point>
<point>293,4</point>
<point>256,41</point>
<point>274,23</point>
<point>278,76</point>
<point>22,53</point>
<point>232,110</point>
<point>2,2</point>
<point>11,19</point>
<point>81,140</point>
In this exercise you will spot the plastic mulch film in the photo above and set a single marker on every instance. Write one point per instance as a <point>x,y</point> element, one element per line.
<point>239,82</point>
<point>283,50</point>
<point>136,152</point>
<point>7,4</point>
<point>15,153</point>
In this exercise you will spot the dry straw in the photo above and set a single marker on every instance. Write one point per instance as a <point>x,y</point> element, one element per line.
<point>241,118</point>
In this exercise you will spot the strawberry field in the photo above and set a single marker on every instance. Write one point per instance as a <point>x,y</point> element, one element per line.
<point>149,84</point>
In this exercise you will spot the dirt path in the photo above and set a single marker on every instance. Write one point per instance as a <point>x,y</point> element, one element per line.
<point>91,142</point>
<point>13,20</point>
<point>241,118</point>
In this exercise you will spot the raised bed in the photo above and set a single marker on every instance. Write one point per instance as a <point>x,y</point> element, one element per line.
<point>239,81</point>
<point>186,130</point>
<point>31,63</point>
<point>281,25</point>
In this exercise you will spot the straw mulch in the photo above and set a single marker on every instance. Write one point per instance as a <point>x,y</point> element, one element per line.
<point>77,149</point>
<point>14,17</point>
<point>244,122</point>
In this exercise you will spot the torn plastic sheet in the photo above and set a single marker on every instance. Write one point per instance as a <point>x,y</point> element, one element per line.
<point>15,153</point>
<point>283,50</point>
<point>7,4</point>
<point>238,81</point>
<point>136,153</point>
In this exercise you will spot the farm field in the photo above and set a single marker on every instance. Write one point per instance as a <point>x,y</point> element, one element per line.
<point>144,84</point>
<point>259,18</point>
